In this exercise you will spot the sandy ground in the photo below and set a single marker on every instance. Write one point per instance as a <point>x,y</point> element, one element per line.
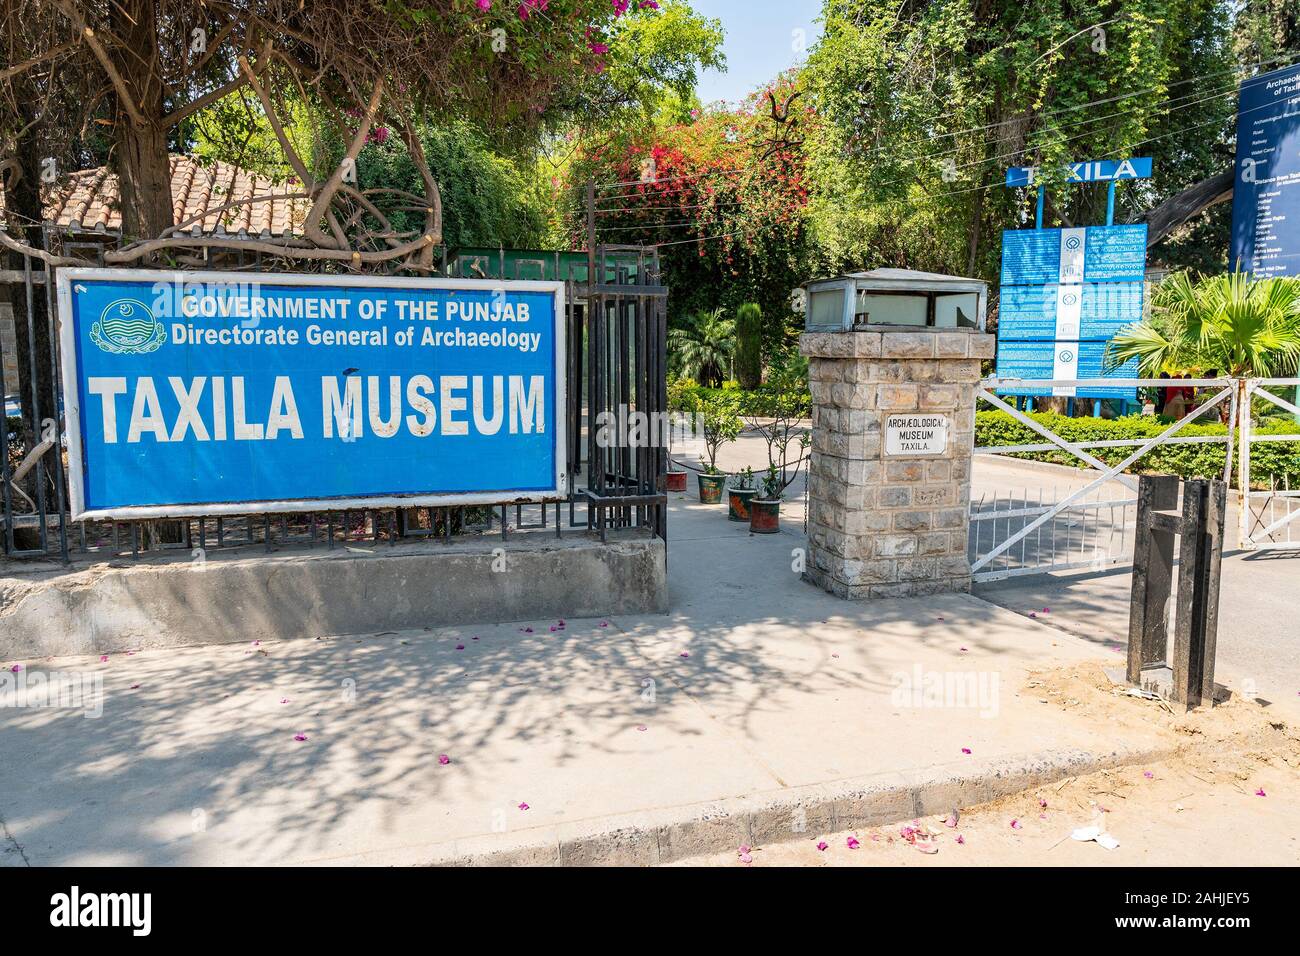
<point>1226,797</point>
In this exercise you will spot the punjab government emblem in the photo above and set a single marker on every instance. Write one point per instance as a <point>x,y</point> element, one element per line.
<point>128,327</point>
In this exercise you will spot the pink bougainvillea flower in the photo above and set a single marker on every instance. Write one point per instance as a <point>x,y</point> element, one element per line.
<point>965,750</point>
<point>603,624</point>
<point>1032,614</point>
<point>835,655</point>
<point>642,727</point>
<point>284,700</point>
<point>474,638</point>
<point>1148,774</point>
<point>852,843</point>
<point>961,840</point>
<point>460,647</point>
<point>964,649</point>
<point>103,658</point>
<point>523,806</point>
<point>743,848</point>
<point>938,619</point>
<point>746,859</point>
<point>1260,792</point>
<point>822,845</point>
<point>135,687</point>
<point>443,759</point>
<point>1015,825</point>
<point>553,628</point>
<point>684,654</point>
<point>528,630</point>
<point>485,5</point>
<point>257,643</point>
<point>1042,803</point>
<point>300,737</point>
<point>16,668</point>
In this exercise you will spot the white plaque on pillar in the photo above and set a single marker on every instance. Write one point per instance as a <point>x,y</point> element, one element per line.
<point>916,434</point>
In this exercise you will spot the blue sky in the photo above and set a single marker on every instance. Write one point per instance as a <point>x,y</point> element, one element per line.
<point>760,42</point>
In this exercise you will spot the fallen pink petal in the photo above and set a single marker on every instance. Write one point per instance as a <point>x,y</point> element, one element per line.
<point>523,806</point>
<point>852,843</point>
<point>1015,825</point>
<point>299,737</point>
<point>1260,793</point>
<point>822,845</point>
<point>443,759</point>
<point>966,750</point>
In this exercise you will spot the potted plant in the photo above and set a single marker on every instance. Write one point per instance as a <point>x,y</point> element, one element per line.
<point>778,415</point>
<point>739,494</point>
<point>719,424</point>
<point>765,512</point>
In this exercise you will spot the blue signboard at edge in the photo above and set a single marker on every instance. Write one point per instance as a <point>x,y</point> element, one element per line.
<point>1266,191</point>
<point>212,393</point>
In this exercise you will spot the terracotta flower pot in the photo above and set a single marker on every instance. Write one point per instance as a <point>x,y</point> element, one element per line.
<point>676,481</point>
<point>738,500</point>
<point>711,488</point>
<point>765,516</point>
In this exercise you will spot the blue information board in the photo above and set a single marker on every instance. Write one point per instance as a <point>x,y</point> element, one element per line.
<point>1064,295</point>
<point>1031,360</point>
<point>1266,191</point>
<point>213,393</point>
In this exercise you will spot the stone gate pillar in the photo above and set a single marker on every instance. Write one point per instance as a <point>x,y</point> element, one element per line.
<point>889,479</point>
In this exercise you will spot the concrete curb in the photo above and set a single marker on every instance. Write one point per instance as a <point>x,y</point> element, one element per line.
<point>658,836</point>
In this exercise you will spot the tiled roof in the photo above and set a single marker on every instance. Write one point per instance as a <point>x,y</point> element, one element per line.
<point>89,201</point>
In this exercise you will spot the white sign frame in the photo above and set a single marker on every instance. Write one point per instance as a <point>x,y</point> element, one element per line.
<point>890,431</point>
<point>68,356</point>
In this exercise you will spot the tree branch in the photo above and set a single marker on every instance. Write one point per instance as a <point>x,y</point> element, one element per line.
<point>175,116</point>
<point>101,54</point>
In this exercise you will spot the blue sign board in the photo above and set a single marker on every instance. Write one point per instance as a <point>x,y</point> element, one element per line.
<point>1089,171</point>
<point>1266,191</point>
<point>1064,295</point>
<point>1030,360</point>
<point>212,393</point>
<point>1104,253</point>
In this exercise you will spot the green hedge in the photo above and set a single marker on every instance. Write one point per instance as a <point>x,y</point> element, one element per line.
<point>1280,460</point>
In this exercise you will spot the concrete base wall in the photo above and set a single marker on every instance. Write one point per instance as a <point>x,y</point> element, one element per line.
<point>106,607</point>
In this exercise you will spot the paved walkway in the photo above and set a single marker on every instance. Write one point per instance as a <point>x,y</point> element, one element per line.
<point>756,688</point>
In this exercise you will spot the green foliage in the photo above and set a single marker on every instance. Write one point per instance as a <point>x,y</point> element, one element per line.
<point>743,480</point>
<point>923,105</point>
<point>1280,460</point>
<point>749,358</point>
<point>1230,324</point>
<point>702,349</point>
<point>717,419</point>
<point>653,64</point>
<point>488,198</point>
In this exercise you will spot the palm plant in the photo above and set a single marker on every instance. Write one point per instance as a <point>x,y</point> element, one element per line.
<point>1243,327</point>
<point>703,348</point>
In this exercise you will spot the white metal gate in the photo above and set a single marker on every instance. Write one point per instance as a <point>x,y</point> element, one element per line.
<point>1269,505</point>
<point>1092,525</point>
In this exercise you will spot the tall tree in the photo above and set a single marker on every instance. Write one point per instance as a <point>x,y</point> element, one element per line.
<point>926,104</point>
<point>144,67</point>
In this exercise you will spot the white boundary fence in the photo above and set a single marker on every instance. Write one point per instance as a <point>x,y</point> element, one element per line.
<point>1092,525</point>
<point>1268,518</point>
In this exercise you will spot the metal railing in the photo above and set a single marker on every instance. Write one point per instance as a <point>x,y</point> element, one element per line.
<point>1092,526</point>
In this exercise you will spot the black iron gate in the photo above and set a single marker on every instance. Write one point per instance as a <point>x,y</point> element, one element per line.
<point>616,328</point>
